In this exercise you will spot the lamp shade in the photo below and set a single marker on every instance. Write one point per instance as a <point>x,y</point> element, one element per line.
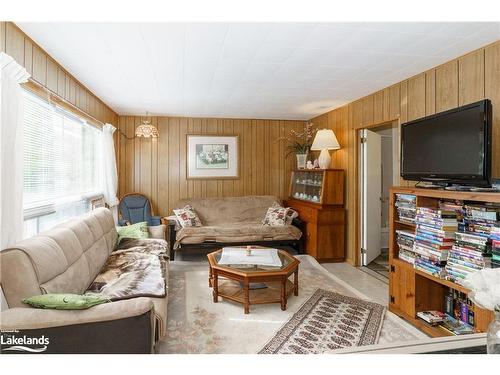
<point>146,130</point>
<point>325,140</point>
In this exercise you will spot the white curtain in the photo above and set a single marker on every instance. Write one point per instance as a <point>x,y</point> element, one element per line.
<point>11,150</point>
<point>110,175</point>
<point>11,154</point>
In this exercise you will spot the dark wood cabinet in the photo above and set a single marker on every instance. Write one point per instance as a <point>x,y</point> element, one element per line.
<point>324,220</point>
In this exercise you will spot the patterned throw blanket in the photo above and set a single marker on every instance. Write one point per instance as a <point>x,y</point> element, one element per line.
<point>137,268</point>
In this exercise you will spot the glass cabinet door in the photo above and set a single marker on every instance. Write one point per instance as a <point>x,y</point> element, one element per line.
<point>307,185</point>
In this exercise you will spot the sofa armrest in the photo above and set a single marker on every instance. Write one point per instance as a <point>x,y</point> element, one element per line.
<point>125,326</point>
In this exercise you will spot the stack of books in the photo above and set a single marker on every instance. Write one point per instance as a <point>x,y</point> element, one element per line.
<point>481,218</point>
<point>495,247</point>
<point>434,237</point>
<point>468,254</point>
<point>456,207</point>
<point>406,245</point>
<point>406,205</point>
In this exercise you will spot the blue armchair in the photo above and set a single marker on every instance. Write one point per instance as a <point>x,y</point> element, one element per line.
<point>136,208</point>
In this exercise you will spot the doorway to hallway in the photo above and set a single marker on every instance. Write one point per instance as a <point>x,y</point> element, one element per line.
<point>379,170</point>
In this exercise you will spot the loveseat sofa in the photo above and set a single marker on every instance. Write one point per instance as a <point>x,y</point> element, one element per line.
<point>233,221</point>
<point>66,259</point>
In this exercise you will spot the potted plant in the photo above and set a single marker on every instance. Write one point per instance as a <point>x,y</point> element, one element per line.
<point>300,143</point>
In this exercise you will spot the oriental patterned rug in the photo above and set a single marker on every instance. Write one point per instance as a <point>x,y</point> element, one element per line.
<point>328,321</point>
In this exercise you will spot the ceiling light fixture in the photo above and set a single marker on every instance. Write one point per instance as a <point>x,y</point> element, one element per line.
<point>145,130</point>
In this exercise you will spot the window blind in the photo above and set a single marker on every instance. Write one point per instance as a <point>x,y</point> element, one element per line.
<point>61,155</point>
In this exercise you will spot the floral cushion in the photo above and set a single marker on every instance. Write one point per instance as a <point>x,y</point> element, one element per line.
<point>276,216</point>
<point>290,214</point>
<point>187,217</point>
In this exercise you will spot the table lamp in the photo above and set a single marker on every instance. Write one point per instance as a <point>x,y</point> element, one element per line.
<point>325,140</point>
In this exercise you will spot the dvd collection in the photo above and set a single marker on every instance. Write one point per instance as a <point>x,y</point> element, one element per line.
<point>406,205</point>
<point>468,254</point>
<point>406,244</point>
<point>434,236</point>
<point>450,241</point>
<point>495,248</point>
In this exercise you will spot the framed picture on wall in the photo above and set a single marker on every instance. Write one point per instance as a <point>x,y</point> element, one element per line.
<point>212,156</point>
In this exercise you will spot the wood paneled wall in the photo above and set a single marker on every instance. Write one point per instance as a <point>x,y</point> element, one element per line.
<point>157,167</point>
<point>466,79</point>
<point>50,74</point>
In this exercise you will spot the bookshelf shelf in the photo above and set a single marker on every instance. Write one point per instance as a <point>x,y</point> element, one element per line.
<point>401,222</point>
<point>430,330</point>
<point>412,290</point>
<point>447,283</point>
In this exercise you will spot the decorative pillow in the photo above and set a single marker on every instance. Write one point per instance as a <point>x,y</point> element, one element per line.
<point>187,217</point>
<point>157,231</point>
<point>65,301</point>
<point>276,216</point>
<point>290,215</point>
<point>137,230</point>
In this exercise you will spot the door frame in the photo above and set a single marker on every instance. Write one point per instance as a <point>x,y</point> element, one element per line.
<point>358,179</point>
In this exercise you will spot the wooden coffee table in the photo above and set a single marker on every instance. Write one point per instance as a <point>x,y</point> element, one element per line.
<point>239,283</point>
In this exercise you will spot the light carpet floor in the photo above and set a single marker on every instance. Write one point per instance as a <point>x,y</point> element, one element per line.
<point>197,325</point>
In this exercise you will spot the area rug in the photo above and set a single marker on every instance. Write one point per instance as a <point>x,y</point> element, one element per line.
<point>197,325</point>
<point>328,321</point>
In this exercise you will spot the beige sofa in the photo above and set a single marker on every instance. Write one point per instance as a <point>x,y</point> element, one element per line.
<point>235,221</point>
<point>66,259</point>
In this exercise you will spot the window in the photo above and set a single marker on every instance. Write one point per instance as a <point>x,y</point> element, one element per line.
<point>61,164</point>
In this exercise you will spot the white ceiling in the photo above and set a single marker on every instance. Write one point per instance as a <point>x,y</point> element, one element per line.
<point>249,70</point>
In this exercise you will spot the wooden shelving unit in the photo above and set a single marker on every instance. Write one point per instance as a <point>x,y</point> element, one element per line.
<point>412,290</point>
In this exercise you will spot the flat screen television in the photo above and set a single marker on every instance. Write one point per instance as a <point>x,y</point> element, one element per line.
<point>451,147</point>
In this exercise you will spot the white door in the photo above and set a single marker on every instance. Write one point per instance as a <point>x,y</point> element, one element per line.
<point>372,193</point>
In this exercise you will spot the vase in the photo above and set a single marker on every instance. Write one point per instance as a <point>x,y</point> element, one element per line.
<point>301,161</point>
<point>493,335</point>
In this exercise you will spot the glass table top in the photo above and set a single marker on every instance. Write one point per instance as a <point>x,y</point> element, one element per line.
<point>285,258</point>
